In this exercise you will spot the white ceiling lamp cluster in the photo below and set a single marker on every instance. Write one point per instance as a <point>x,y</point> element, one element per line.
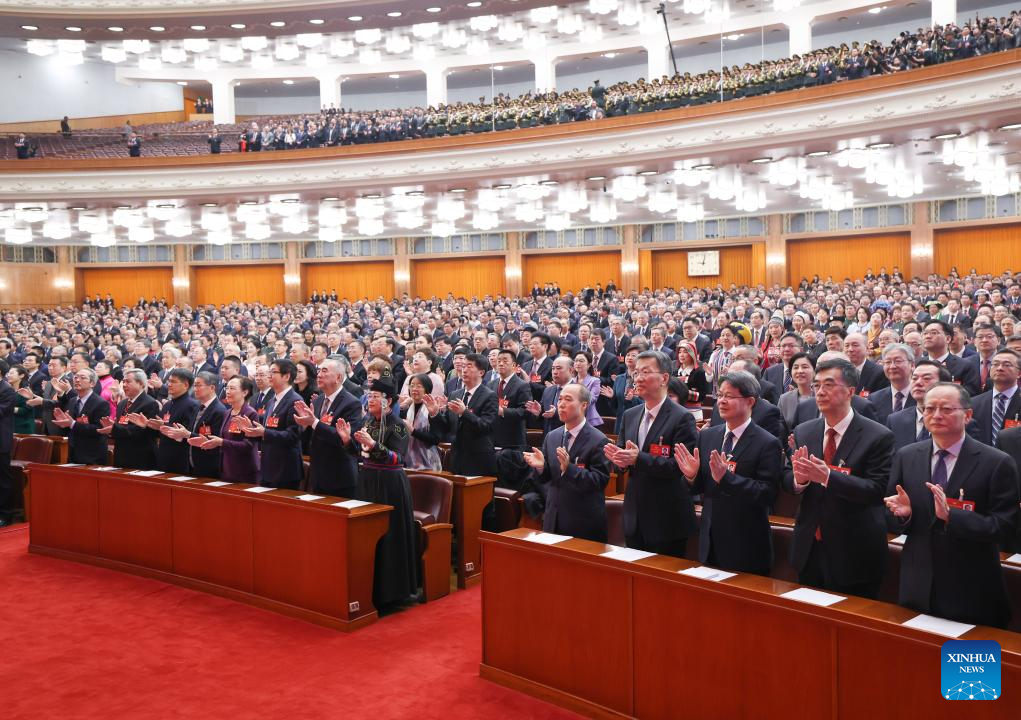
<point>785,6</point>
<point>981,164</point>
<point>67,52</point>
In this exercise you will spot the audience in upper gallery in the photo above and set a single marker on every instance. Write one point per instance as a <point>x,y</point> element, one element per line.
<point>332,126</point>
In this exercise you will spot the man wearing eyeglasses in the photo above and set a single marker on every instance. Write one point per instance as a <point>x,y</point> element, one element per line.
<point>987,341</point>
<point>907,425</point>
<point>898,361</point>
<point>281,435</point>
<point>999,408</point>
<point>936,336</point>
<point>840,467</point>
<point>957,501</point>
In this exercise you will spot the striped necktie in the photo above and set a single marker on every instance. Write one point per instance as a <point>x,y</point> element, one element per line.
<point>999,411</point>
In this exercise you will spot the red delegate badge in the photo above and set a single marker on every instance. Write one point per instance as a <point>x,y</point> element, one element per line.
<point>272,421</point>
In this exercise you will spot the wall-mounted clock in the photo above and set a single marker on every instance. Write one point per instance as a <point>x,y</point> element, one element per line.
<point>703,262</point>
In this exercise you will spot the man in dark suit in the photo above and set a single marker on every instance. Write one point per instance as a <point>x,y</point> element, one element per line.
<point>957,501</point>
<point>209,420</point>
<point>809,410</point>
<point>765,414</point>
<point>870,375</point>
<point>547,407</point>
<point>605,367</point>
<point>512,394</point>
<point>780,374</point>
<point>36,374</point>
<point>840,467</point>
<point>1000,407</point>
<point>8,497</point>
<point>469,418</point>
<point>736,467</point>
<point>81,415</point>
<point>898,361</point>
<point>1009,441</point>
<point>574,469</point>
<point>618,340</point>
<point>51,395</point>
<point>282,465</point>
<point>174,423</point>
<point>907,425</point>
<point>134,446</point>
<point>659,515</point>
<point>987,340</point>
<point>332,469</point>
<point>263,390</point>
<point>936,337</point>
<point>538,369</point>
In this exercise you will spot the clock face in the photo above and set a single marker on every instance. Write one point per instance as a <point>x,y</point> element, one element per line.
<point>703,262</point>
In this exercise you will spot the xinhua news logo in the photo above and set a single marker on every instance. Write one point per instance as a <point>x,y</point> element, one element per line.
<point>970,670</point>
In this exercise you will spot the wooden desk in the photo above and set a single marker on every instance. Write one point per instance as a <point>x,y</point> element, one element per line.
<point>615,639</point>
<point>472,493</point>
<point>306,559</point>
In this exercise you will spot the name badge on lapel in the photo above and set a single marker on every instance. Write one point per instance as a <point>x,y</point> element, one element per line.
<point>864,393</point>
<point>840,468</point>
<point>204,430</point>
<point>961,503</point>
<point>659,449</point>
<point>534,377</point>
<point>123,420</point>
<point>166,417</point>
<point>262,411</point>
<point>272,421</point>
<point>82,418</point>
<point>732,466</point>
<point>235,427</point>
<point>1011,423</point>
<point>327,418</point>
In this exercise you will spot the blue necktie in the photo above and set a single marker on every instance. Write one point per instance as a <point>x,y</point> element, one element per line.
<point>999,410</point>
<point>898,403</point>
<point>939,473</point>
<point>270,405</point>
<point>728,444</point>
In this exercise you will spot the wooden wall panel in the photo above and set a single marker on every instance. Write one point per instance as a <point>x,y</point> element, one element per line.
<point>847,257</point>
<point>989,249</point>
<point>464,277</point>
<point>670,268</point>
<point>224,284</point>
<point>28,285</point>
<point>84,124</point>
<point>351,280</point>
<point>126,284</point>
<point>571,271</point>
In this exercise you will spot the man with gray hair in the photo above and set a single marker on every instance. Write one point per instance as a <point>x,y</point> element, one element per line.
<point>765,414</point>
<point>737,467</point>
<point>134,446</point>
<point>81,415</point>
<point>898,360</point>
<point>809,410</point>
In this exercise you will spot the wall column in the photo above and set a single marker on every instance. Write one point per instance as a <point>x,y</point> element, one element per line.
<point>944,12</point>
<point>293,291</point>
<point>799,40</point>
<point>182,279</point>
<point>629,280</point>
<point>329,91</point>
<point>658,54</point>
<point>66,281</point>
<point>923,245</point>
<point>223,101</point>
<point>776,252</point>
<point>402,266</point>
<point>436,86</point>
<point>513,264</point>
<point>545,73</point>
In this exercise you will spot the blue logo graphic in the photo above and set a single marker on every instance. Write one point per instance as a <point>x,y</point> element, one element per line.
<point>970,670</point>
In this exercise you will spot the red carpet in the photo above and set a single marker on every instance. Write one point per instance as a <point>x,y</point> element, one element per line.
<point>83,642</point>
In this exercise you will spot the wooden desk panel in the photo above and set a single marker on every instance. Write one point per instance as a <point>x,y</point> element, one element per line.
<point>310,560</point>
<point>706,650</point>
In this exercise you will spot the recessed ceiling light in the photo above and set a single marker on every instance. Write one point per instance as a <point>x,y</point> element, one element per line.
<point>434,10</point>
<point>73,28</point>
<point>703,166</point>
<point>76,207</point>
<point>277,23</point>
<point>875,10</point>
<point>548,182</point>
<point>157,28</point>
<point>331,198</point>
<point>291,201</point>
<point>394,76</point>
<point>610,55</point>
<point>238,26</point>
<point>316,21</point>
<point>414,193</point>
<point>394,13</point>
<point>473,4</point>
<point>646,173</point>
<point>458,190</point>
<point>29,27</point>
<point>946,136</point>
<point>879,145</point>
<point>594,178</point>
<point>249,202</point>
<point>502,186</point>
<point>119,207</point>
<point>208,204</point>
<point>354,18</point>
<point>199,28</point>
<point>1012,126</point>
<point>372,196</point>
<point>498,67</point>
<point>762,160</point>
<point>735,36</point>
<point>818,153</point>
<point>115,28</point>
<point>162,206</point>
<point>288,82</point>
<point>182,82</point>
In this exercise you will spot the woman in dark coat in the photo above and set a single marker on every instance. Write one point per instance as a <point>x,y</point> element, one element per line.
<point>381,446</point>
<point>239,454</point>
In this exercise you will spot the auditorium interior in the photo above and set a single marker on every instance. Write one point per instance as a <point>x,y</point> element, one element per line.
<point>507,358</point>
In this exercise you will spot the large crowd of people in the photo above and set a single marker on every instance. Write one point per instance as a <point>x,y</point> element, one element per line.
<point>881,404</point>
<point>850,61</point>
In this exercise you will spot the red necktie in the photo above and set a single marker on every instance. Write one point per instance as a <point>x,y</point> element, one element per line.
<point>828,451</point>
<point>499,391</point>
<point>985,372</point>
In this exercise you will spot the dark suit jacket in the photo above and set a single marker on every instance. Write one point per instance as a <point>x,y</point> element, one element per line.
<point>282,465</point>
<point>575,501</point>
<point>472,451</point>
<point>606,366</point>
<point>509,430</point>
<point>904,426</point>
<point>208,423</point>
<point>965,373</point>
<point>539,375</point>
<point>871,378</point>
<point>85,444</point>
<point>770,391</point>
<point>8,399</point>
<point>50,401</point>
<point>1009,441</point>
<point>981,425</point>
<point>974,361</point>
<point>173,456</point>
<point>882,402</point>
<point>774,374</point>
<point>550,397</point>
<point>617,348</point>
<point>734,533</point>
<point>849,511</point>
<point>953,569</point>
<point>135,447</point>
<point>354,388</point>
<point>657,502</point>
<point>808,410</point>
<point>332,469</point>
<point>764,414</point>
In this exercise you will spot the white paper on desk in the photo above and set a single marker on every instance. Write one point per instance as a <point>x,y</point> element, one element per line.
<point>939,626</point>
<point>545,538</point>
<point>218,483</point>
<point>899,540</point>
<point>813,597</point>
<point>704,572</point>
<point>106,468</point>
<point>310,497</point>
<point>351,504</point>
<point>1015,559</point>
<point>627,554</point>
<point>71,465</point>
<point>259,489</point>
<point>181,478</point>
<point>146,473</point>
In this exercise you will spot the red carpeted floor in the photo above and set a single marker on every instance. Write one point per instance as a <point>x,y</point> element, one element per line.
<point>83,642</point>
